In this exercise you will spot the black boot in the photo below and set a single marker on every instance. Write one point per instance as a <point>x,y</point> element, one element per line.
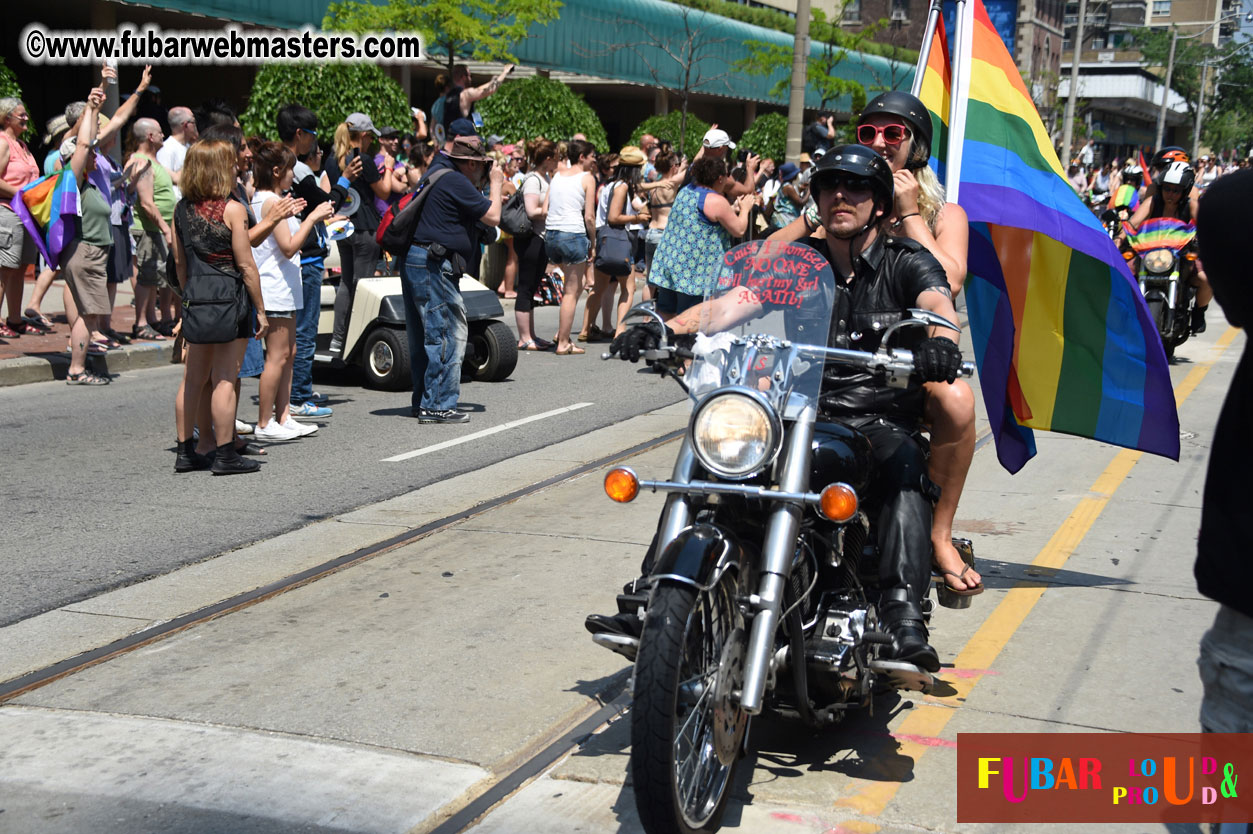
<point>228,462</point>
<point>1198,319</point>
<point>188,460</point>
<point>902,618</point>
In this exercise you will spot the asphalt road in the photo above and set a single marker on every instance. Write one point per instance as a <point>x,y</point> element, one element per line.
<point>91,501</point>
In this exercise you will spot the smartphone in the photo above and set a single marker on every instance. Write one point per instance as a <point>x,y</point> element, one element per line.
<point>353,154</point>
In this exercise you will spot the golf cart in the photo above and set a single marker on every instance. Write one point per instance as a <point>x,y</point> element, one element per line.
<point>377,342</point>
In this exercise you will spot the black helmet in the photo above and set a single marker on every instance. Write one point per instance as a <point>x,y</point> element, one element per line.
<point>1169,154</point>
<point>858,161</point>
<point>912,110</point>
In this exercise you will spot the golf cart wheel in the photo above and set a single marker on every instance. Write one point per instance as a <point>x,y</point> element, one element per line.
<point>492,353</point>
<point>385,358</point>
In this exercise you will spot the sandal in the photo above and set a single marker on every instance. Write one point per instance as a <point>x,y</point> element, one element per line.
<point>37,323</point>
<point>572,350</point>
<point>22,328</point>
<point>97,348</point>
<point>33,316</point>
<point>7,332</point>
<point>961,592</point>
<point>147,332</point>
<point>117,337</point>
<point>530,346</point>
<point>86,378</point>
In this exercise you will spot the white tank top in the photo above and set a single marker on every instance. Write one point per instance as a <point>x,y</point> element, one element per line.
<point>280,276</point>
<point>566,199</point>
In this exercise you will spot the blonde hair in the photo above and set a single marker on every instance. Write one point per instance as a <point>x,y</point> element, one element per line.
<point>345,141</point>
<point>208,171</point>
<point>930,196</point>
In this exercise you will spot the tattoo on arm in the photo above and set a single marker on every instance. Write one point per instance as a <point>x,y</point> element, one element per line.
<point>944,291</point>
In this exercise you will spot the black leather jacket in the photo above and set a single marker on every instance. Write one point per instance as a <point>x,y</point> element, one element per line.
<point>889,275</point>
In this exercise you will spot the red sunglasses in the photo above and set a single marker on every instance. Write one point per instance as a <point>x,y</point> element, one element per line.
<point>892,134</point>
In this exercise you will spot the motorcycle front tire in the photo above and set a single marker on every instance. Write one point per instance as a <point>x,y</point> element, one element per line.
<point>680,618</point>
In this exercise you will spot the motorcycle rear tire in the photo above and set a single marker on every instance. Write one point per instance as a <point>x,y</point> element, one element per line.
<point>678,618</point>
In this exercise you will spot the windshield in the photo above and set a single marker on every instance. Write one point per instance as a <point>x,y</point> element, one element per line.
<point>765,297</point>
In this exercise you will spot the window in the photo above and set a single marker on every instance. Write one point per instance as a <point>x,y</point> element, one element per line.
<point>852,11</point>
<point>1098,43</point>
<point>900,10</point>
<point>1161,8</point>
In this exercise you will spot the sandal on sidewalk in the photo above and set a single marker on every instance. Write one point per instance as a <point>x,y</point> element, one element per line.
<point>961,592</point>
<point>148,332</point>
<point>86,378</point>
<point>7,332</point>
<point>572,350</point>
<point>530,346</point>
<point>33,316</point>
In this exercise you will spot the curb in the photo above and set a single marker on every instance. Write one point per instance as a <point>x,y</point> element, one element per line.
<point>51,367</point>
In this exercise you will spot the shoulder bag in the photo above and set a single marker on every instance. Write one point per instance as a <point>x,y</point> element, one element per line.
<point>215,303</point>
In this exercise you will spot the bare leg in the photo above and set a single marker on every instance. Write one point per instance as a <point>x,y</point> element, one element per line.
<point>600,283</point>
<point>14,286</point>
<point>196,372</point>
<point>625,299</point>
<point>228,357</point>
<point>278,341</point>
<point>80,334</point>
<point>144,306</point>
<point>607,304</point>
<point>511,271</point>
<point>42,283</point>
<point>569,303</point>
<point>282,400</point>
<point>951,411</point>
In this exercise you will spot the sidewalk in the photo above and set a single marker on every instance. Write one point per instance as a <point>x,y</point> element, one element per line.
<point>43,358</point>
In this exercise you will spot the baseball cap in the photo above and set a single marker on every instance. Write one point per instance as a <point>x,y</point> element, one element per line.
<point>388,133</point>
<point>359,122</point>
<point>494,140</point>
<point>461,127</point>
<point>718,138</point>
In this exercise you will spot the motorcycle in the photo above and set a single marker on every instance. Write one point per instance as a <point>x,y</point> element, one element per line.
<point>763,590</point>
<point>1166,251</point>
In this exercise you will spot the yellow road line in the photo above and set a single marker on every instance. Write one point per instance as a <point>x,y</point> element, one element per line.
<point>929,717</point>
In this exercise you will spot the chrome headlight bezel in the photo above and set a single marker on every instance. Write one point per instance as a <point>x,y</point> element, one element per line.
<point>771,443</point>
<point>1159,261</point>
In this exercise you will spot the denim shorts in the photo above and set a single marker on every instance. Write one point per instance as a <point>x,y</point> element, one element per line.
<point>566,247</point>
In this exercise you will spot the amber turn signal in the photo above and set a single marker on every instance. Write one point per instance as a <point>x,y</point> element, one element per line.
<point>621,485</point>
<point>838,502</point>
<point>1126,256</point>
<point>1191,256</point>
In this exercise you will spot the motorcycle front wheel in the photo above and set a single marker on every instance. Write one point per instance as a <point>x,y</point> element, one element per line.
<point>686,724</point>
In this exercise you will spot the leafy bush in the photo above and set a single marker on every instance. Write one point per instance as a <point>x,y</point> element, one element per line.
<point>666,128</point>
<point>10,87</point>
<point>767,136</point>
<point>539,106</point>
<point>332,91</point>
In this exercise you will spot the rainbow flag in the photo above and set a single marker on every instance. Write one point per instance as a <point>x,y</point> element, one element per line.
<point>1160,233</point>
<point>1126,195</point>
<point>937,93</point>
<point>1061,333</point>
<point>48,208</point>
<point>1144,168</point>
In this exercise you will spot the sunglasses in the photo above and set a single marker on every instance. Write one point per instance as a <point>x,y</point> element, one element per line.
<point>848,185</point>
<point>312,133</point>
<point>892,134</point>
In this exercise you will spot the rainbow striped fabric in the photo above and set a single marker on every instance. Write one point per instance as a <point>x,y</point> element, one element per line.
<point>1160,233</point>
<point>1126,195</point>
<point>937,93</point>
<point>1061,333</point>
<point>48,208</point>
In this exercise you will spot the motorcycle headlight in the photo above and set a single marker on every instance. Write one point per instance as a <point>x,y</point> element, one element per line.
<point>1159,260</point>
<point>735,434</point>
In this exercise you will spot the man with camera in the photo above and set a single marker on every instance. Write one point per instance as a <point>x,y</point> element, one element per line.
<point>444,243</point>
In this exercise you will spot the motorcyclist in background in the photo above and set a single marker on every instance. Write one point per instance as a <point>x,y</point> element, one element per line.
<point>1173,194</point>
<point>879,278</point>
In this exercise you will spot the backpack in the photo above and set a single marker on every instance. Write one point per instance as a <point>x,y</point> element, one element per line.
<point>550,289</point>
<point>400,221</point>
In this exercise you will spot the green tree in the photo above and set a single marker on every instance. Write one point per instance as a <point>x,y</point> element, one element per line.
<point>767,136</point>
<point>1228,117</point>
<point>485,30</point>
<point>332,91</point>
<point>540,106</point>
<point>684,134</point>
<point>1185,77</point>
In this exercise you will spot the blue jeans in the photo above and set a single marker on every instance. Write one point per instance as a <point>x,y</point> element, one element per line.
<point>307,331</point>
<point>433,302</point>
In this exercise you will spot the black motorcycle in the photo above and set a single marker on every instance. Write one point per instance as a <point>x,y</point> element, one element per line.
<point>762,594</point>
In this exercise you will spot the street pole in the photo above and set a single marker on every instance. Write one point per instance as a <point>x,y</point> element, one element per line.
<point>1200,106</point>
<point>800,66</point>
<point>1068,123</point>
<point>1170,70</point>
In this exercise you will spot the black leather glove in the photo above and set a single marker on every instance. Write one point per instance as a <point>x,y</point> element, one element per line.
<point>938,360</point>
<point>638,339</point>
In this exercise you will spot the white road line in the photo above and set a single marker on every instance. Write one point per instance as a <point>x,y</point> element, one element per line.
<point>426,450</point>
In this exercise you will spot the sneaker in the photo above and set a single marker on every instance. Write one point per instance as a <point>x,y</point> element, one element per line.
<point>309,411</point>
<point>318,398</point>
<point>336,346</point>
<point>274,430</point>
<point>243,428</point>
<point>301,429</point>
<point>447,415</point>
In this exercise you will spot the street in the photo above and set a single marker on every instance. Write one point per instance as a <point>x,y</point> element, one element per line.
<point>437,677</point>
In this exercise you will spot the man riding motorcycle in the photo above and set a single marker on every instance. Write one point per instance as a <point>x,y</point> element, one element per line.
<point>880,278</point>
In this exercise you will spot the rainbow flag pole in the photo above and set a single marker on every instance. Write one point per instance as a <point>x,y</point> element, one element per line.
<point>934,20</point>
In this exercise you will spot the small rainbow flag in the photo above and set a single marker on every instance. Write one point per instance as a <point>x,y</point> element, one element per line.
<point>1144,168</point>
<point>937,92</point>
<point>1061,333</point>
<point>1160,233</point>
<point>48,208</point>
<point>1126,195</point>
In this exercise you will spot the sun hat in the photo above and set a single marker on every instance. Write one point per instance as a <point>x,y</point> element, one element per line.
<point>631,155</point>
<point>469,148</point>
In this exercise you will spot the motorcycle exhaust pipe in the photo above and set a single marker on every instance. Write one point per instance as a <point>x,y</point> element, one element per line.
<point>777,553</point>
